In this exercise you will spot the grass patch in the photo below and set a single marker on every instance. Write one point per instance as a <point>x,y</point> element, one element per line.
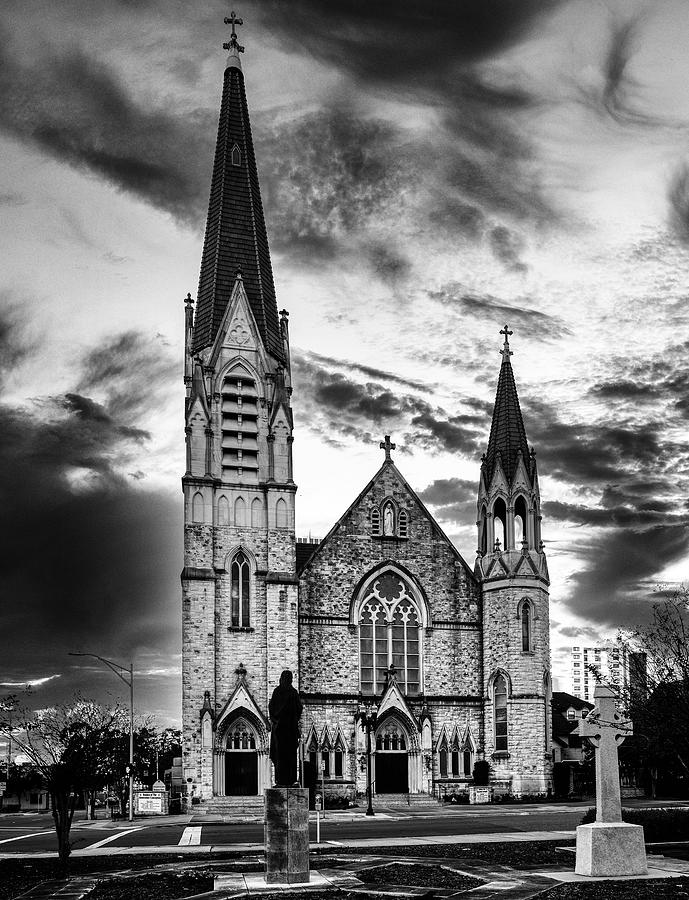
<point>666,824</point>
<point>154,886</point>
<point>419,876</point>
<point>653,889</point>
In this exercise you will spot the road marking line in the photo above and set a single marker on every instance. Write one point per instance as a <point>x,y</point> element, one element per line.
<point>113,837</point>
<point>337,843</point>
<point>21,837</point>
<point>190,836</point>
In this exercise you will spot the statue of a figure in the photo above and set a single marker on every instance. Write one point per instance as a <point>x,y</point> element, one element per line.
<point>388,520</point>
<point>284,709</point>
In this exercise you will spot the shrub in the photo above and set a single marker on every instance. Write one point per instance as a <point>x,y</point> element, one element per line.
<point>481,772</point>
<point>659,824</point>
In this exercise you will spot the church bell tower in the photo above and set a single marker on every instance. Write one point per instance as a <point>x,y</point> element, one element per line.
<point>512,570</point>
<point>239,580</point>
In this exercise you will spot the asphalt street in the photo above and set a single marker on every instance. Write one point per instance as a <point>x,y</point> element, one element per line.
<point>32,833</point>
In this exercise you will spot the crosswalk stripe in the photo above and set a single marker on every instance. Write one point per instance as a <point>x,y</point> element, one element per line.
<point>21,837</point>
<point>113,837</point>
<point>191,836</point>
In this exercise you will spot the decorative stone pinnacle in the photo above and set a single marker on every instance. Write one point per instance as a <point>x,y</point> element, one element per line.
<point>188,300</point>
<point>506,352</point>
<point>284,314</point>
<point>497,545</point>
<point>233,44</point>
<point>387,446</point>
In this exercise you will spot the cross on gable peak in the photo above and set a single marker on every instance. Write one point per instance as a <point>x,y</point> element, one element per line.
<point>387,446</point>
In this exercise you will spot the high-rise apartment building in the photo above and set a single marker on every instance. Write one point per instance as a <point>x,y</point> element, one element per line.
<point>589,665</point>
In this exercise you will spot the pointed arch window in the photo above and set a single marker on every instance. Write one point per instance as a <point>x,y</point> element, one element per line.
<point>403,524</point>
<point>339,756</point>
<point>236,155</point>
<point>500,713</point>
<point>223,511</point>
<point>241,736</point>
<point>520,519</point>
<point>500,523</point>
<point>239,512</point>
<point>483,539</point>
<point>375,520</point>
<point>281,514</point>
<point>526,624</point>
<point>240,591</point>
<point>256,513</point>
<point>389,634</point>
<point>197,508</point>
<point>443,757</point>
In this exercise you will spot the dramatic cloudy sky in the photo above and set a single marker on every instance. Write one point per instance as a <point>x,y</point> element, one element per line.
<point>429,171</point>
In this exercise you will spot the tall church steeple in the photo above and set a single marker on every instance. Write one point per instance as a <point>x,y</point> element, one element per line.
<point>236,238</point>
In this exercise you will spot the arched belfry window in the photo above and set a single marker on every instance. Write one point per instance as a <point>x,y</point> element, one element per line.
<point>375,520</point>
<point>403,524</point>
<point>500,713</point>
<point>520,529</point>
<point>236,155</point>
<point>526,624</point>
<point>500,523</point>
<point>240,594</point>
<point>389,634</point>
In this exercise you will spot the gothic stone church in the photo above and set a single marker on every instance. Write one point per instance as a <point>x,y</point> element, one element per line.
<point>383,610</point>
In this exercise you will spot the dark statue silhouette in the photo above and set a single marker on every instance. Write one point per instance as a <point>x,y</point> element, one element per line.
<point>285,710</point>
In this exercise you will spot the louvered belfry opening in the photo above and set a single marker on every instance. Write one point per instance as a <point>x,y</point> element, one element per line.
<point>239,429</point>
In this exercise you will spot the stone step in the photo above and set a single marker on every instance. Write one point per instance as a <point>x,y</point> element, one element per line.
<point>230,806</point>
<point>405,800</point>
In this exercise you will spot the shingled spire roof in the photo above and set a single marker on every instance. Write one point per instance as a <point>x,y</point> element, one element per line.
<point>507,432</point>
<point>236,238</point>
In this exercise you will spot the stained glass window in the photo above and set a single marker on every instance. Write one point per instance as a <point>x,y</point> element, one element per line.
<point>500,709</point>
<point>240,591</point>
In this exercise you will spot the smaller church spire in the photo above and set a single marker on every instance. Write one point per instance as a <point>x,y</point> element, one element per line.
<point>233,45</point>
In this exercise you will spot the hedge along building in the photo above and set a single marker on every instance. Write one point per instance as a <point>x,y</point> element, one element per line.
<point>384,608</point>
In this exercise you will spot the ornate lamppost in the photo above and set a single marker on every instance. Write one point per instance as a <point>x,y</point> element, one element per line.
<point>367,714</point>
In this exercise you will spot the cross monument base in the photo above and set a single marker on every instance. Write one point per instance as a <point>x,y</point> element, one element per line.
<point>287,835</point>
<point>611,848</point>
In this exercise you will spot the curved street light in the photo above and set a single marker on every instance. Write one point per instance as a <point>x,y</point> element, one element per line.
<point>119,670</point>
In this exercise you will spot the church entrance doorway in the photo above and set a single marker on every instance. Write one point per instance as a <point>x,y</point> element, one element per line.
<point>241,761</point>
<point>392,760</point>
<point>241,773</point>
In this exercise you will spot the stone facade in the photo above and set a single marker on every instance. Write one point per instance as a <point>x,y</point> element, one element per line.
<point>384,611</point>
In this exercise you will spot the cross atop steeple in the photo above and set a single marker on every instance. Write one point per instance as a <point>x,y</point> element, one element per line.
<point>387,446</point>
<point>506,347</point>
<point>233,20</point>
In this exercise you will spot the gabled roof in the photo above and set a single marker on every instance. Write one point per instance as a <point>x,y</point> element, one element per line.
<point>306,560</point>
<point>236,237</point>
<point>507,433</point>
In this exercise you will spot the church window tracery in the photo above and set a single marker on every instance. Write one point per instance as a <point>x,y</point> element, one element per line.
<point>240,593</point>
<point>241,737</point>
<point>389,634</point>
<point>391,737</point>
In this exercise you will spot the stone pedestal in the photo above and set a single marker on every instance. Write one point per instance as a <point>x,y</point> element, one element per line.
<point>611,848</point>
<point>287,835</point>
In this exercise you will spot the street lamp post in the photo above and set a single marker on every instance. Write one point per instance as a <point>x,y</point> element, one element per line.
<point>367,714</point>
<point>119,670</point>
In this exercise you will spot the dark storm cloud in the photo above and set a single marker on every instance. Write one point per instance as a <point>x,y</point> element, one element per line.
<point>616,588</point>
<point>369,371</point>
<point>507,247</point>
<point>325,177</point>
<point>678,199</point>
<point>90,561</point>
<point>453,499</point>
<point>333,403</point>
<point>486,306</point>
<point>79,112</point>
<point>404,44</point>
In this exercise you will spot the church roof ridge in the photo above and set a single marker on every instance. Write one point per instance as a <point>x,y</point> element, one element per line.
<point>507,433</point>
<point>236,240</point>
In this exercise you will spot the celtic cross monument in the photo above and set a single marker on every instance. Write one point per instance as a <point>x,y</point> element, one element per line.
<point>608,846</point>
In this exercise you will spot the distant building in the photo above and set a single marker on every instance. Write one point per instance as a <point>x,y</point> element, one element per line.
<point>591,665</point>
<point>568,748</point>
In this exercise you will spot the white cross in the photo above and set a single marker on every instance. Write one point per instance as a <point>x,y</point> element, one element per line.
<point>606,729</point>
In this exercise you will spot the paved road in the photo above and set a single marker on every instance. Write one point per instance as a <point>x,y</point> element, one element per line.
<point>34,833</point>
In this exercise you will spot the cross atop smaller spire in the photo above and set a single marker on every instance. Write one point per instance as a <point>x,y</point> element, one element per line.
<point>387,446</point>
<point>506,352</point>
<point>233,44</point>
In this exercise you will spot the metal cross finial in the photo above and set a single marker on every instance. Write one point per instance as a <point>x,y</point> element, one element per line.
<point>506,347</point>
<point>387,446</point>
<point>233,20</point>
